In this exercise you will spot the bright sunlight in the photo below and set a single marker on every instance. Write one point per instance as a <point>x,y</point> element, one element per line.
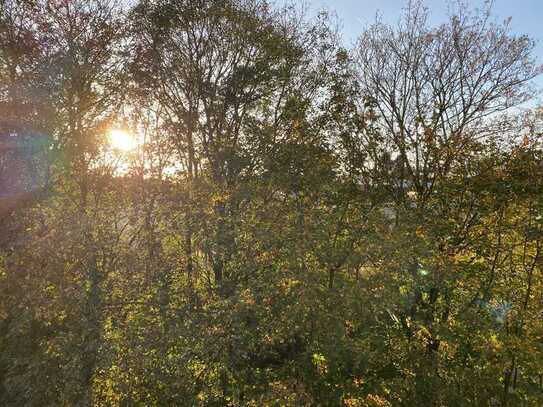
<point>122,140</point>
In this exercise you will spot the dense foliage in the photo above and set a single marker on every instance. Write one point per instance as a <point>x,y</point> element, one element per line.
<point>300,224</point>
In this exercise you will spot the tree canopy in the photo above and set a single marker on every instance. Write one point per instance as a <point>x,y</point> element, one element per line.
<point>219,203</point>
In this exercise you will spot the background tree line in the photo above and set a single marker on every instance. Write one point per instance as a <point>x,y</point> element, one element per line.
<point>302,223</point>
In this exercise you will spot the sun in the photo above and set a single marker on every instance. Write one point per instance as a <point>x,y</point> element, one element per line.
<point>122,140</point>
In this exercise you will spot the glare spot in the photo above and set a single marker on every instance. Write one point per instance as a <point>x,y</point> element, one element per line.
<point>121,140</point>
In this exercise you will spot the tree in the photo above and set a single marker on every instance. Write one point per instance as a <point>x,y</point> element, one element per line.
<point>292,222</point>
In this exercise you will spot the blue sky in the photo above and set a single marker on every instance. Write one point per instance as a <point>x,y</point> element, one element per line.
<point>527,16</point>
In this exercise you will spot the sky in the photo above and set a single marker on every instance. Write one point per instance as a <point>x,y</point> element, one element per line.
<point>527,16</point>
